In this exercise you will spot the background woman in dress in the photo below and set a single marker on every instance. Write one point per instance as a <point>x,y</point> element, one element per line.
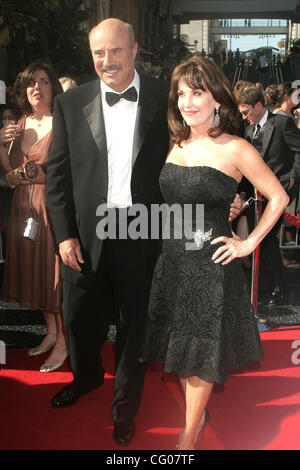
<point>32,270</point>
<point>10,113</point>
<point>200,320</point>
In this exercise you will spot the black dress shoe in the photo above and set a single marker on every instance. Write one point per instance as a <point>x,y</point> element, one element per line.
<point>71,393</point>
<point>67,396</point>
<point>277,297</point>
<point>123,433</point>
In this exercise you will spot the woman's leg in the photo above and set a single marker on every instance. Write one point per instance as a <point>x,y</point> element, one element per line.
<point>197,394</point>
<point>49,340</point>
<point>59,351</point>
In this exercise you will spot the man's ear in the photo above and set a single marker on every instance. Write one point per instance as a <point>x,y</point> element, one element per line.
<point>135,50</point>
<point>259,106</point>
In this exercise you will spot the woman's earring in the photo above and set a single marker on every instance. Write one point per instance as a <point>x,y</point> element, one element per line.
<point>184,123</point>
<point>217,118</point>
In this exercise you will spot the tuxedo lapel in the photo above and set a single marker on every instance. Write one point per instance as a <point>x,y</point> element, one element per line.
<point>147,106</point>
<point>268,131</point>
<point>93,113</point>
<point>249,134</point>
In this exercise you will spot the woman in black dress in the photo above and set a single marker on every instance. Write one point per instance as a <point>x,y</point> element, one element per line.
<point>200,319</point>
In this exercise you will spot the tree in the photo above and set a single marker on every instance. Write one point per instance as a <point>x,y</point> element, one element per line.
<point>170,46</point>
<point>51,32</point>
<point>19,21</point>
<point>68,44</point>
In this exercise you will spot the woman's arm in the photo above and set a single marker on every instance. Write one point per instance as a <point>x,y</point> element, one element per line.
<point>4,159</point>
<point>251,165</point>
<point>7,135</point>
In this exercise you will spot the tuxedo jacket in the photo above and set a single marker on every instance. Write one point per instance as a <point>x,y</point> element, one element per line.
<point>77,172</point>
<point>281,147</point>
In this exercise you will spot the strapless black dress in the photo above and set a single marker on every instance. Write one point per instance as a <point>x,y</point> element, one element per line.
<point>200,321</point>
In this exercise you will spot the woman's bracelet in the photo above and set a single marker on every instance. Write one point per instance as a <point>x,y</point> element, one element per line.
<point>29,170</point>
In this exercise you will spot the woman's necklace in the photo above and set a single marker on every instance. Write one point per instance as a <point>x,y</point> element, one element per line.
<point>40,121</point>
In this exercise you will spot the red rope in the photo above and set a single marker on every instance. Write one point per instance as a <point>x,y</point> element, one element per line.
<point>292,219</point>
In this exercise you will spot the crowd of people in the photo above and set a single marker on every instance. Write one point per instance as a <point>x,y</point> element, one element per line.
<point>126,140</point>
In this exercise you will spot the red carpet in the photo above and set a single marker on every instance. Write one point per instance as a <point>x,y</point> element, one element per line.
<point>259,407</point>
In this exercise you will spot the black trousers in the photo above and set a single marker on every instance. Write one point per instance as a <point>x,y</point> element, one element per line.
<point>271,269</point>
<point>121,288</point>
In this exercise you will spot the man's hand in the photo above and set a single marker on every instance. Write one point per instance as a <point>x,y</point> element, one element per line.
<point>235,208</point>
<point>70,253</point>
<point>291,184</point>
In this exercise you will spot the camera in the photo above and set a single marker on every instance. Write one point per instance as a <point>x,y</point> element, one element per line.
<point>31,229</point>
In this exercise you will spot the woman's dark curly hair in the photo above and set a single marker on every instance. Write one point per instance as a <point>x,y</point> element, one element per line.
<point>200,73</point>
<point>278,93</point>
<point>26,80</point>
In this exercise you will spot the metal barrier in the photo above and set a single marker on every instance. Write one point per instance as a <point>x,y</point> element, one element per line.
<point>237,75</point>
<point>241,72</point>
<point>276,73</point>
<point>255,255</point>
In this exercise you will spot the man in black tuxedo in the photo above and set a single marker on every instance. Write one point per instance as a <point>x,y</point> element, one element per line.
<point>278,140</point>
<point>107,150</point>
<point>110,141</point>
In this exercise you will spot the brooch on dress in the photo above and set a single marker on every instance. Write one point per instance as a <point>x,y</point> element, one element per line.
<point>200,237</point>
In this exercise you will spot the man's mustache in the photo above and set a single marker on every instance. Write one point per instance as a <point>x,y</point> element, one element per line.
<point>110,68</point>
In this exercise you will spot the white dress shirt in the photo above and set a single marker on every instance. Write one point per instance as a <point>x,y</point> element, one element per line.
<point>263,120</point>
<point>119,121</point>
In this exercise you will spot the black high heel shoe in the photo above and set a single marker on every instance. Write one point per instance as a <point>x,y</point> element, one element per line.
<point>199,432</point>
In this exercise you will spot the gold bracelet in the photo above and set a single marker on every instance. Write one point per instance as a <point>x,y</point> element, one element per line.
<point>15,176</point>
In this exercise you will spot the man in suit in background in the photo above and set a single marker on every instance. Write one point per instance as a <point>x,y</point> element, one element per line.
<point>107,149</point>
<point>277,139</point>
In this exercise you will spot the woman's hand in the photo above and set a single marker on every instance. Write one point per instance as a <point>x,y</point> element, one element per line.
<point>9,133</point>
<point>39,177</point>
<point>232,248</point>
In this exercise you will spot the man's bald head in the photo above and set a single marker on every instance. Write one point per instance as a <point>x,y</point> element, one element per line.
<point>114,50</point>
<point>115,23</point>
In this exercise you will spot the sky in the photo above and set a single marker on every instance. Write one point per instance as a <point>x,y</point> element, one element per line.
<point>245,43</point>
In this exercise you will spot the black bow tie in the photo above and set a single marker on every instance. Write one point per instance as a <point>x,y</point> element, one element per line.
<point>113,98</point>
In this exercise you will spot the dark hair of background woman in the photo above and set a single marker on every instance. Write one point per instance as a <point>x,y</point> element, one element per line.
<point>14,108</point>
<point>26,79</point>
<point>278,93</point>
